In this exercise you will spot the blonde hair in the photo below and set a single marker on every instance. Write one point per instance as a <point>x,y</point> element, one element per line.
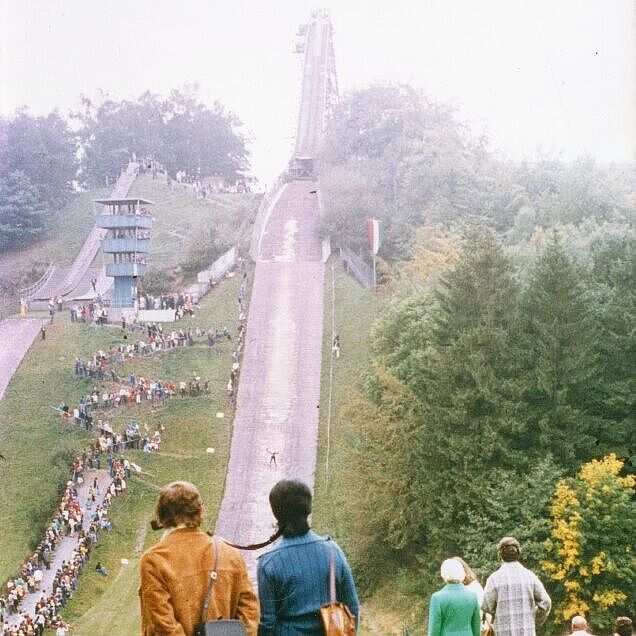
<point>179,503</point>
<point>469,573</point>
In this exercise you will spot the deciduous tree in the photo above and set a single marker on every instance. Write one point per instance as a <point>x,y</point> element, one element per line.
<point>179,131</point>
<point>590,552</point>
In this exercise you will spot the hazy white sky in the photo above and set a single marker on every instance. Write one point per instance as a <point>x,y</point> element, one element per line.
<point>552,74</point>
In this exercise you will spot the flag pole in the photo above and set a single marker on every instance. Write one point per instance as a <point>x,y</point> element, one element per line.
<point>375,283</point>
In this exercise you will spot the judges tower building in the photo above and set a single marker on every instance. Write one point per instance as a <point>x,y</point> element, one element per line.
<point>128,239</point>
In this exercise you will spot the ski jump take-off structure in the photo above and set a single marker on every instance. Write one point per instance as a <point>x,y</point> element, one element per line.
<point>278,397</point>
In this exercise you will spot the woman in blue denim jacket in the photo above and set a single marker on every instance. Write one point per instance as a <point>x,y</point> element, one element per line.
<point>293,577</point>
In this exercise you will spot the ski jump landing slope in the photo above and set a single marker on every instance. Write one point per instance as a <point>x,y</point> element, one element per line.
<point>16,336</point>
<point>279,388</point>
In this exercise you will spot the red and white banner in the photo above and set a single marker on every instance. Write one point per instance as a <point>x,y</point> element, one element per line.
<point>373,228</point>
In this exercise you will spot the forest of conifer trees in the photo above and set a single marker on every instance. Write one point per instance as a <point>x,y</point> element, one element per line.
<point>502,371</point>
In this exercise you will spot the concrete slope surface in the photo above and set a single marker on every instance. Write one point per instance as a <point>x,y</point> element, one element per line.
<point>16,336</point>
<point>53,284</point>
<point>279,389</point>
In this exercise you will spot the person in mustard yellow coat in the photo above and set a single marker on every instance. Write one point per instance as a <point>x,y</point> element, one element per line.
<point>175,572</point>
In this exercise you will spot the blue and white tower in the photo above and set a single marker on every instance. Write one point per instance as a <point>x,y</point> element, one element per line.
<point>128,239</point>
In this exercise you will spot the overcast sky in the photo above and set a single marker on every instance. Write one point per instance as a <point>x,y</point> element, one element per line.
<point>556,75</point>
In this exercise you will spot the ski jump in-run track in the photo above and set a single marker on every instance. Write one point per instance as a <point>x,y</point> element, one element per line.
<point>279,390</point>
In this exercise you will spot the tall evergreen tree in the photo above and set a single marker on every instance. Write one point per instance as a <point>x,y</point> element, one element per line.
<point>518,505</point>
<point>614,342</point>
<point>444,405</point>
<point>469,418</point>
<point>21,211</point>
<point>558,359</point>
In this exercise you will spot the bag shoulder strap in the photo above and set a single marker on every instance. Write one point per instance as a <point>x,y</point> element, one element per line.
<point>332,572</point>
<point>213,577</point>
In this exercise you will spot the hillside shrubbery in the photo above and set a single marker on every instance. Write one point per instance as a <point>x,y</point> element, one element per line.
<point>484,392</point>
<point>504,359</point>
<point>394,154</point>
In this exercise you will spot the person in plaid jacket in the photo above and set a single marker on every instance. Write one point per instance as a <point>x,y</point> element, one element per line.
<point>514,594</point>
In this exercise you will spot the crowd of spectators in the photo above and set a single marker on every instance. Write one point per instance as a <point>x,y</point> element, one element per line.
<point>91,312</point>
<point>68,521</point>
<point>101,365</point>
<point>203,187</point>
<point>182,304</point>
<point>122,393</point>
<point>240,340</point>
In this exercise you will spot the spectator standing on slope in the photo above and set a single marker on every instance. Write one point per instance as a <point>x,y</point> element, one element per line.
<point>514,595</point>
<point>454,610</point>
<point>623,626</point>
<point>175,572</point>
<point>293,576</point>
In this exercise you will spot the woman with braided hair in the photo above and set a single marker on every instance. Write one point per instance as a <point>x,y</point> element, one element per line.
<point>293,577</point>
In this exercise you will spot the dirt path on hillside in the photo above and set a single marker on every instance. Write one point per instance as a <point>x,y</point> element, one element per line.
<point>279,390</point>
<point>67,544</point>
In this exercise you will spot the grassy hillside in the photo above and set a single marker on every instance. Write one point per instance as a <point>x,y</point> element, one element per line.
<point>388,611</point>
<point>38,447</point>
<point>179,217</point>
<point>67,230</point>
<point>191,428</point>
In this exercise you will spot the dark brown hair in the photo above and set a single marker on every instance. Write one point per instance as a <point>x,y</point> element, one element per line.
<point>623,626</point>
<point>179,503</point>
<point>290,500</point>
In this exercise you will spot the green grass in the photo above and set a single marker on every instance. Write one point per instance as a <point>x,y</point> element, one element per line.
<point>39,448</point>
<point>109,605</point>
<point>66,233</point>
<point>36,444</point>
<point>355,312</point>
<point>35,438</point>
<point>72,226</point>
<point>179,217</point>
<point>389,608</point>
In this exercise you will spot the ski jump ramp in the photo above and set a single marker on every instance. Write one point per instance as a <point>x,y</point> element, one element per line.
<point>279,388</point>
